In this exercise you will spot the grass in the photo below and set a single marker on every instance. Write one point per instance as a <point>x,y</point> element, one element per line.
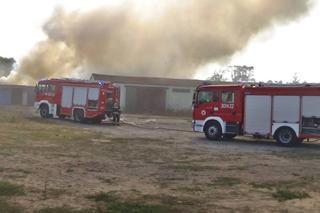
<point>172,201</point>
<point>104,197</point>
<point>115,204</point>
<point>190,167</point>
<point>281,189</point>
<point>5,207</point>
<point>284,194</point>
<point>136,140</point>
<point>281,184</point>
<point>8,119</point>
<point>111,180</point>
<point>187,189</point>
<point>63,209</point>
<point>224,182</point>
<point>8,189</point>
<point>116,207</point>
<point>133,207</point>
<point>172,175</point>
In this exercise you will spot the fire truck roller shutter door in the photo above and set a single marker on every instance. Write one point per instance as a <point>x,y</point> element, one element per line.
<point>66,100</point>
<point>257,114</point>
<point>286,112</point>
<point>310,106</point>
<point>286,109</point>
<point>310,115</point>
<point>80,96</point>
<point>93,94</point>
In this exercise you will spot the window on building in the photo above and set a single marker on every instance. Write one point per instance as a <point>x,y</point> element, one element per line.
<point>227,97</point>
<point>207,97</point>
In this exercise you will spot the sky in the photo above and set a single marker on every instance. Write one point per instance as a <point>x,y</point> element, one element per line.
<point>276,54</point>
<point>280,52</point>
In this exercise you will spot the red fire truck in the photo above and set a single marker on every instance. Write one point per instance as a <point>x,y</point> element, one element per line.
<point>82,100</point>
<point>290,114</point>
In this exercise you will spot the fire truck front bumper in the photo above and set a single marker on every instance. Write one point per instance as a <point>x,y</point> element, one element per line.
<point>197,125</point>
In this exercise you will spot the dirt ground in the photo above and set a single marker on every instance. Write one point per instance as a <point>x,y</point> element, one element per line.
<point>147,164</point>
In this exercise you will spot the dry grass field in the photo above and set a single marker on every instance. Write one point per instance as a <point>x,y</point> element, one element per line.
<point>56,166</point>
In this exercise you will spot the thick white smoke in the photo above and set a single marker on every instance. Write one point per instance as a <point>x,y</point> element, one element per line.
<point>175,43</point>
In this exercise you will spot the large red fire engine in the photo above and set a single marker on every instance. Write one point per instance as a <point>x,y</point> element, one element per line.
<point>81,100</point>
<point>290,114</point>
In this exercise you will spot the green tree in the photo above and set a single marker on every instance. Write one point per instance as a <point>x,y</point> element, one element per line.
<point>295,79</point>
<point>218,76</point>
<point>6,65</point>
<point>242,73</point>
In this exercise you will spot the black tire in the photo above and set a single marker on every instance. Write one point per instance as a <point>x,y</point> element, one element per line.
<point>229,136</point>
<point>44,111</point>
<point>213,131</point>
<point>78,115</point>
<point>285,136</point>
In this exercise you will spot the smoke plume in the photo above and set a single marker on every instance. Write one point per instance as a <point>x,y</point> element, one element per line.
<point>174,43</point>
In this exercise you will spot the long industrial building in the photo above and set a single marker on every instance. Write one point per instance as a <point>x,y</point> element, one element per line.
<point>16,95</point>
<point>139,95</point>
<point>148,95</point>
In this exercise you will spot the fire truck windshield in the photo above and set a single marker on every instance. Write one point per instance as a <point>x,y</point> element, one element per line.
<point>207,97</point>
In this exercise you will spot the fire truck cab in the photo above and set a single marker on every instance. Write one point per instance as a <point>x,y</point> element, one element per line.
<point>81,100</point>
<point>289,114</point>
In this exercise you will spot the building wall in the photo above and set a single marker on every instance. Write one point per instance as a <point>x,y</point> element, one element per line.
<point>5,96</point>
<point>16,95</point>
<point>30,96</point>
<point>145,99</point>
<point>179,99</point>
<point>122,97</point>
<point>169,99</point>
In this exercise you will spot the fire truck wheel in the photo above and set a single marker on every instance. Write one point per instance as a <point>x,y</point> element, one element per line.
<point>78,115</point>
<point>286,137</point>
<point>44,111</point>
<point>213,131</point>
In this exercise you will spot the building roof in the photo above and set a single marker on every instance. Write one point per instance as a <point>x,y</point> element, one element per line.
<point>12,86</point>
<point>148,80</point>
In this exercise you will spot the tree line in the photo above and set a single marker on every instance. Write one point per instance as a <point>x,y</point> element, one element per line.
<point>6,65</point>
<point>245,74</point>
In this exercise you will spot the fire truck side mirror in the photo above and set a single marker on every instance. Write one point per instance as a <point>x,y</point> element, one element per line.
<point>195,104</point>
<point>194,99</point>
